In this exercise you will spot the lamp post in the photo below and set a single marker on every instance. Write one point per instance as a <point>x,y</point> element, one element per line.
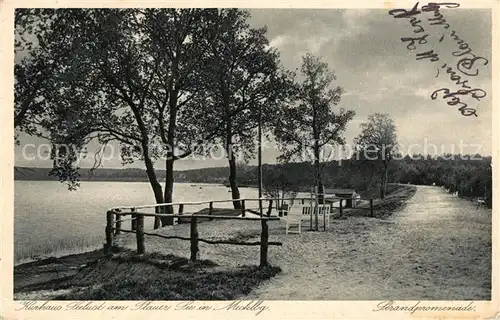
<point>259,159</point>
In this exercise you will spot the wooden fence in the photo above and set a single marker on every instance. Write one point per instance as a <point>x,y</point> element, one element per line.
<point>116,216</point>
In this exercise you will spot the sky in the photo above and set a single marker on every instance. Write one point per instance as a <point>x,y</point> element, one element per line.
<point>378,73</point>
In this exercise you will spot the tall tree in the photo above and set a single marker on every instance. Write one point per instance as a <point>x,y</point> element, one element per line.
<point>243,84</point>
<point>176,35</point>
<point>311,124</point>
<point>377,143</point>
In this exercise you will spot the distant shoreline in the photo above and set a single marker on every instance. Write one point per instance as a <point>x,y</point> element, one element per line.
<point>132,180</point>
<point>206,175</point>
<point>219,184</point>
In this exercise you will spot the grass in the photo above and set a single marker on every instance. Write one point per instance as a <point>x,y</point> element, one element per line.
<point>154,276</point>
<point>60,247</point>
<point>396,198</point>
<point>374,192</point>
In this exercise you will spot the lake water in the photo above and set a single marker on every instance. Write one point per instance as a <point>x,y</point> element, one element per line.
<point>50,220</point>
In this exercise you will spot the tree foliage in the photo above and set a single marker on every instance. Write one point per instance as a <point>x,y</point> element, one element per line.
<point>310,122</point>
<point>279,182</point>
<point>376,145</point>
<point>242,83</point>
<point>469,175</point>
<point>51,88</point>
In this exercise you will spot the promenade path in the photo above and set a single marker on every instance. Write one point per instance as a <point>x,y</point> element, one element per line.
<point>436,248</point>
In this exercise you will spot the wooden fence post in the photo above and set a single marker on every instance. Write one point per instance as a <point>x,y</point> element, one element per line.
<point>133,222</point>
<point>324,220</point>
<point>270,208</point>
<point>371,207</point>
<point>110,216</point>
<point>311,213</point>
<point>264,238</point>
<point>140,234</point>
<point>316,214</point>
<point>118,223</point>
<point>210,209</point>
<point>340,208</point>
<point>194,239</point>
<point>243,208</point>
<point>181,211</point>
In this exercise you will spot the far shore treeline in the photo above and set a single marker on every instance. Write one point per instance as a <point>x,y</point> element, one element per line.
<point>470,176</point>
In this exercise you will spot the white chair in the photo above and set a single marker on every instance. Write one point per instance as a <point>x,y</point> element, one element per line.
<point>480,202</point>
<point>294,217</point>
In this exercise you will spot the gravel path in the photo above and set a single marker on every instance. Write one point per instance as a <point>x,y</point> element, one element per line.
<point>438,247</point>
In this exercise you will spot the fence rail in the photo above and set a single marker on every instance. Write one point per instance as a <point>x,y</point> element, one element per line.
<point>243,202</point>
<point>194,203</point>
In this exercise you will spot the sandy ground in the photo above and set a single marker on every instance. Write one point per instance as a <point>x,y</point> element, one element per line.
<point>437,247</point>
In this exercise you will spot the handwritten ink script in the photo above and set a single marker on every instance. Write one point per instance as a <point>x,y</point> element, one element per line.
<point>256,307</point>
<point>390,305</point>
<point>467,63</point>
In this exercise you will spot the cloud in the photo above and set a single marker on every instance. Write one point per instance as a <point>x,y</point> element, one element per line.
<point>378,72</point>
<point>279,41</point>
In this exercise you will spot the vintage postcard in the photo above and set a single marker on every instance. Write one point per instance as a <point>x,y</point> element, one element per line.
<point>280,160</point>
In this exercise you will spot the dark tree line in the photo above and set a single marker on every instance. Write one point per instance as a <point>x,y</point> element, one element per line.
<point>470,176</point>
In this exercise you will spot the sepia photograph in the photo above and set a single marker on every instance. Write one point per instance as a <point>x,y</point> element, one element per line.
<point>252,154</point>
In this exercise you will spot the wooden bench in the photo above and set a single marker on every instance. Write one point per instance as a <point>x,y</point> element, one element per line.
<point>480,202</point>
<point>300,211</point>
